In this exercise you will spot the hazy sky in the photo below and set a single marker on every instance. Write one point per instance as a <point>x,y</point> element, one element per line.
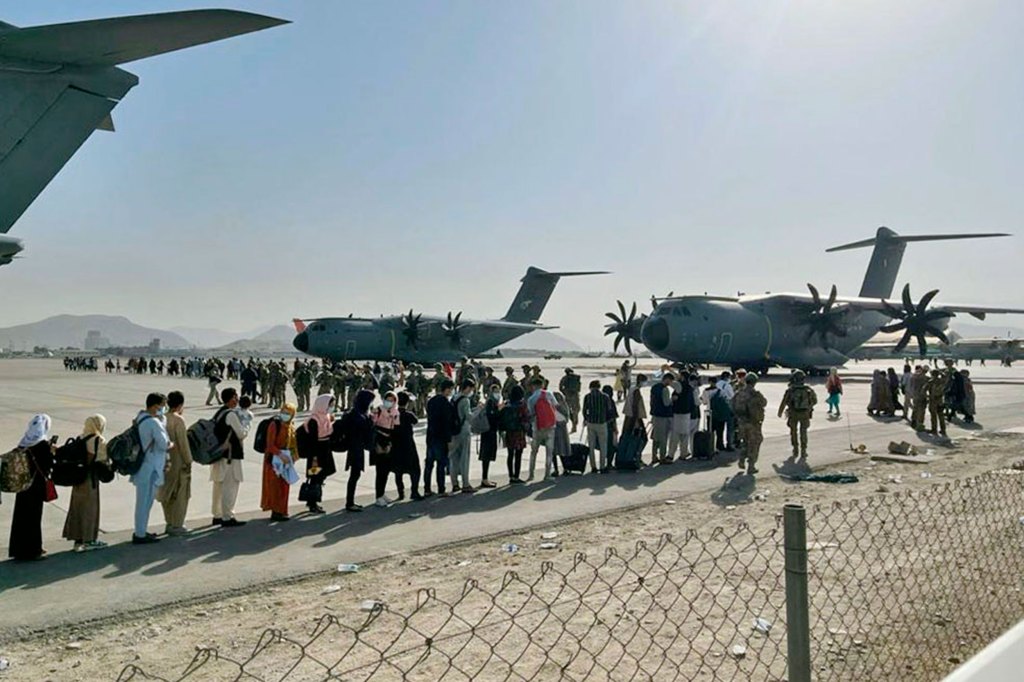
<point>374,156</point>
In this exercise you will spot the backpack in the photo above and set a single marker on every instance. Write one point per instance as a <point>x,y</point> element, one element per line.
<point>456,419</point>
<point>479,423</point>
<point>125,450</point>
<point>71,462</point>
<point>510,419</point>
<point>801,399</point>
<point>545,412</point>
<point>260,441</point>
<point>339,436</point>
<point>720,409</point>
<point>15,471</point>
<point>203,441</point>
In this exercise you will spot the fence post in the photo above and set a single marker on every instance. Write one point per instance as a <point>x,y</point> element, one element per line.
<point>798,630</point>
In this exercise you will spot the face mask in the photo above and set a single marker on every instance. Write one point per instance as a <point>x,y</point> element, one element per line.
<point>286,417</point>
<point>388,404</point>
<point>161,412</point>
<point>496,396</point>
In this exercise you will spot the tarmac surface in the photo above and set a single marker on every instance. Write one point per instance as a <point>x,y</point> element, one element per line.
<point>213,560</point>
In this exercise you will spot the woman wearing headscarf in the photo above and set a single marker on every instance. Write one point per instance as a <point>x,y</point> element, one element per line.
<point>894,389</point>
<point>278,464</point>
<point>405,458</point>
<point>358,426</point>
<point>834,387</point>
<point>386,419</point>
<point>881,395</point>
<point>515,420</point>
<point>26,524</point>
<point>319,458</point>
<point>489,440</point>
<point>82,525</point>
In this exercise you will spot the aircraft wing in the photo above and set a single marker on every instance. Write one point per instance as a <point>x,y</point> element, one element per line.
<point>118,40</point>
<point>880,305</point>
<point>524,326</point>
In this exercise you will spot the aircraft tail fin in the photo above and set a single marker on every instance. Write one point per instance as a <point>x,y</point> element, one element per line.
<point>118,40</point>
<point>535,292</point>
<point>880,278</point>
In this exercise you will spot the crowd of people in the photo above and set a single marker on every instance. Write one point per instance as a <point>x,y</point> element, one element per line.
<point>367,416</point>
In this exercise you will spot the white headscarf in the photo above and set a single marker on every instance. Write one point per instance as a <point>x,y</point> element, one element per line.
<point>38,431</point>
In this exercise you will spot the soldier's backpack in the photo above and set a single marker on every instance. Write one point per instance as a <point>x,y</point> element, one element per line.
<point>801,399</point>
<point>203,441</point>
<point>125,450</point>
<point>478,421</point>
<point>572,383</point>
<point>260,441</point>
<point>15,471</point>
<point>71,462</point>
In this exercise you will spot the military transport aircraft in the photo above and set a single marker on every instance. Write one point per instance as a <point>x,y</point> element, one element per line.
<point>414,337</point>
<point>59,83</point>
<point>795,330</point>
<point>1004,351</point>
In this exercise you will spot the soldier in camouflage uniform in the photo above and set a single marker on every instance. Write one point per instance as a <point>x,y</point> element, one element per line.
<point>264,379</point>
<point>510,381</point>
<point>325,380</point>
<point>748,407</point>
<point>570,387</point>
<point>919,397</point>
<point>936,392</point>
<point>489,381</point>
<point>438,379</point>
<point>302,382</point>
<point>798,403</point>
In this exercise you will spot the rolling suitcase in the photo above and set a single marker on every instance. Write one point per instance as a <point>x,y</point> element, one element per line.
<point>704,443</point>
<point>576,461</point>
<point>631,447</point>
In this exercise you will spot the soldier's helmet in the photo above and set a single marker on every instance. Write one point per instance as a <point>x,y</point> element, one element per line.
<point>509,370</point>
<point>751,379</point>
<point>439,367</point>
<point>568,370</point>
<point>799,376</point>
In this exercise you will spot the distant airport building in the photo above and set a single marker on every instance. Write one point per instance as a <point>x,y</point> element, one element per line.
<point>96,341</point>
<point>154,346</point>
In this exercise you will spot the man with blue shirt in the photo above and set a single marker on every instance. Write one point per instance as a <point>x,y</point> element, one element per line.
<point>152,427</point>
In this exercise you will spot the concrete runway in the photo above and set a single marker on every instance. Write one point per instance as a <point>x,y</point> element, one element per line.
<point>141,576</point>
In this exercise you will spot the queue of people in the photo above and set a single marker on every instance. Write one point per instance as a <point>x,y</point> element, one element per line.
<point>684,414</point>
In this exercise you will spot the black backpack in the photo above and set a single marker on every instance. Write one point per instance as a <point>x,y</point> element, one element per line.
<point>71,462</point>
<point>456,420</point>
<point>260,441</point>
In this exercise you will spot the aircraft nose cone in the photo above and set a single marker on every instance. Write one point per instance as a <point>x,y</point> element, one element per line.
<point>301,342</point>
<point>655,334</point>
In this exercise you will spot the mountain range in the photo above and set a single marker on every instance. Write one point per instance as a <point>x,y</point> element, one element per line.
<point>69,331</point>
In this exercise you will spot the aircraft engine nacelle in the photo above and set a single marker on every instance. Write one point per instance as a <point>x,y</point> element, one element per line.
<point>9,249</point>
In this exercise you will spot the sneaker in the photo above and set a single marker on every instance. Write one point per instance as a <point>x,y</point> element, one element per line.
<point>416,497</point>
<point>468,489</point>
<point>79,547</point>
<point>217,522</point>
<point>95,544</point>
<point>178,531</point>
<point>488,484</point>
<point>382,502</point>
<point>316,509</point>
<point>144,540</point>
<point>427,493</point>
<point>233,523</point>
<point>353,508</point>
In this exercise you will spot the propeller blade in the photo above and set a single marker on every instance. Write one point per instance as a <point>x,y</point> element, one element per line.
<point>815,295</point>
<point>890,328</point>
<point>892,311</point>
<point>908,303</point>
<point>610,330</point>
<point>618,340</point>
<point>939,334</point>
<point>903,342</point>
<point>629,349</point>
<point>922,305</point>
<point>611,316</point>
<point>622,309</point>
<point>831,298</point>
<point>632,312</point>
<point>922,344</point>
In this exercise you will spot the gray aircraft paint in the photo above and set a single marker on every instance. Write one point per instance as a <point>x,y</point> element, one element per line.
<point>59,83</point>
<point>350,338</point>
<point>757,332</point>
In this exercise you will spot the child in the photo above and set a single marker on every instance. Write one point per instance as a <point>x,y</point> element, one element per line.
<point>245,415</point>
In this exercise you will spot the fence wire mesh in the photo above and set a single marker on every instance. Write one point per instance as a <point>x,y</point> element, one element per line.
<point>907,586</point>
<point>901,586</point>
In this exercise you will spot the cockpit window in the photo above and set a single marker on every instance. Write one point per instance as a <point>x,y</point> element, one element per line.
<point>686,311</point>
<point>319,327</point>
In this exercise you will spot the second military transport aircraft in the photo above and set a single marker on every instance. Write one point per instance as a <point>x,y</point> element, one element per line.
<point>796,330</point>
<point>59,83</point>
<point>414,337</point>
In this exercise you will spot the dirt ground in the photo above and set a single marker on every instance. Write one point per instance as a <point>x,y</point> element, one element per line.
<point>690,600</point>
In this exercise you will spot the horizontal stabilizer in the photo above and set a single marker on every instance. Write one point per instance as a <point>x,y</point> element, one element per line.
<point>890,236</point>
<point>108,42</point>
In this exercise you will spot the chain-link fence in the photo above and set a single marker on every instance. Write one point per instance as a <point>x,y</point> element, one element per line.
<point>898,586</point>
